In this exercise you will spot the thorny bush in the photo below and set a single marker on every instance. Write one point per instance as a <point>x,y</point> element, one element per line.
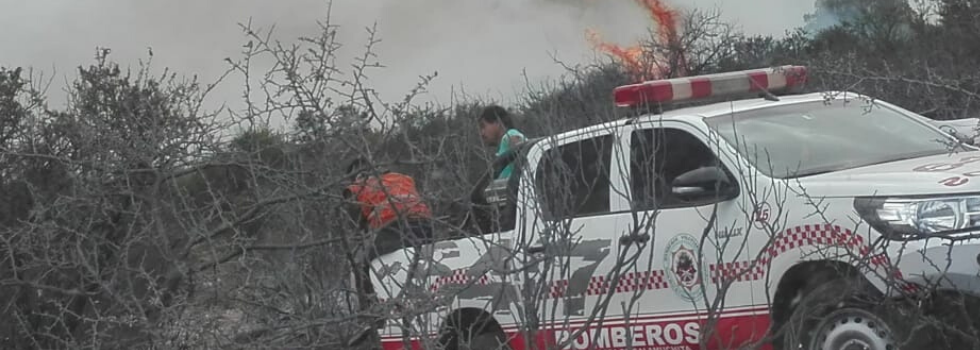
<point>129,221</point>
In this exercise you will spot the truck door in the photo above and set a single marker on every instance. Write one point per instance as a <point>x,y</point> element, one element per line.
<point>579,190</point>
<point>697,226</point>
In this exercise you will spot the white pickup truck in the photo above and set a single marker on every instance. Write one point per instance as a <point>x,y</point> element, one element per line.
<point>799,221</point>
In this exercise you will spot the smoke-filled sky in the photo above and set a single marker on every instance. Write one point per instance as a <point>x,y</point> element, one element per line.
<point>482,46</point>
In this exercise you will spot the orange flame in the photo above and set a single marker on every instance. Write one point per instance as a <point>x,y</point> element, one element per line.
<point>645,63</point>
<point>630,57</point>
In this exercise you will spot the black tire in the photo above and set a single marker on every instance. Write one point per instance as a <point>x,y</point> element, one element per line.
<point>485,341</point>
<point>845,311</point>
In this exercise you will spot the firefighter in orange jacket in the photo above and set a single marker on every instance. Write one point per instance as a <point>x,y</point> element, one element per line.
<point>387,204</point>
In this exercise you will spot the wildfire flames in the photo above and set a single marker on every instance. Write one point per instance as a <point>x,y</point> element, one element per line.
<point>650,62</point>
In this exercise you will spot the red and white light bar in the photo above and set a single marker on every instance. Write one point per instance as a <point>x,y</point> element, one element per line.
<point>709,85</point>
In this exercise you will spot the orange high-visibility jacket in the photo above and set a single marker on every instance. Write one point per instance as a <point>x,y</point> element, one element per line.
<point>382,202</point>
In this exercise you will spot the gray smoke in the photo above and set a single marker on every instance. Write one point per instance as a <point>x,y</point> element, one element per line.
<point>482,46</point>
<point>824,18</point>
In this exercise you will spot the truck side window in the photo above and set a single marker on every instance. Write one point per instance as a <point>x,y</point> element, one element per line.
<point>658,156</point>
<point>573,179</point>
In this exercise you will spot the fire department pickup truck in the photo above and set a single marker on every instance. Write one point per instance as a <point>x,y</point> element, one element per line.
<point>788,220</point>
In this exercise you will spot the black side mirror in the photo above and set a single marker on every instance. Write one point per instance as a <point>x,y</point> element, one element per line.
<point>711,180</point>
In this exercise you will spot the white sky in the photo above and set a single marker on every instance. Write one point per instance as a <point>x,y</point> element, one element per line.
<point>482,46</point>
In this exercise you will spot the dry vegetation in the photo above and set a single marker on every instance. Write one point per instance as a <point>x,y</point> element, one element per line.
<point>127,223</point>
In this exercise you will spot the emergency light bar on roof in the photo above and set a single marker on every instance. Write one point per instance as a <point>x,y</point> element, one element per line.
<point>709,85</point>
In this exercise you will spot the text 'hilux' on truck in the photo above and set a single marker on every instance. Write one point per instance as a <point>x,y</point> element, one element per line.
<point>817,221</point>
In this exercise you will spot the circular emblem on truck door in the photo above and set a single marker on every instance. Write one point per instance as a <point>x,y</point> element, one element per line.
<point>683,269</point>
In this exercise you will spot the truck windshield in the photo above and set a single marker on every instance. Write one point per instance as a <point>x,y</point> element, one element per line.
<point>818,137</point>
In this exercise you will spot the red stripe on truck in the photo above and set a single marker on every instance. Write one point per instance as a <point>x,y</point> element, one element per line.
<point>759,80</point>
<point>700,87</point>
<point>727,332</point>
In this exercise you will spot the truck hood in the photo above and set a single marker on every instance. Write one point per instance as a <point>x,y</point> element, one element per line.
<point>947,173</point>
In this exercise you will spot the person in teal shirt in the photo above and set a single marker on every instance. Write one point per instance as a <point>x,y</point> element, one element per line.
<point>497,130</point>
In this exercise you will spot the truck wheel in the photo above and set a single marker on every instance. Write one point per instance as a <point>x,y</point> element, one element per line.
<point>840,315</point>
<point>485,341</point>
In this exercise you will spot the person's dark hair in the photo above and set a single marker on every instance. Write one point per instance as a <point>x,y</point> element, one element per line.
<point>495,113</point>
<point>362,165</point>
<point>354,165</point>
